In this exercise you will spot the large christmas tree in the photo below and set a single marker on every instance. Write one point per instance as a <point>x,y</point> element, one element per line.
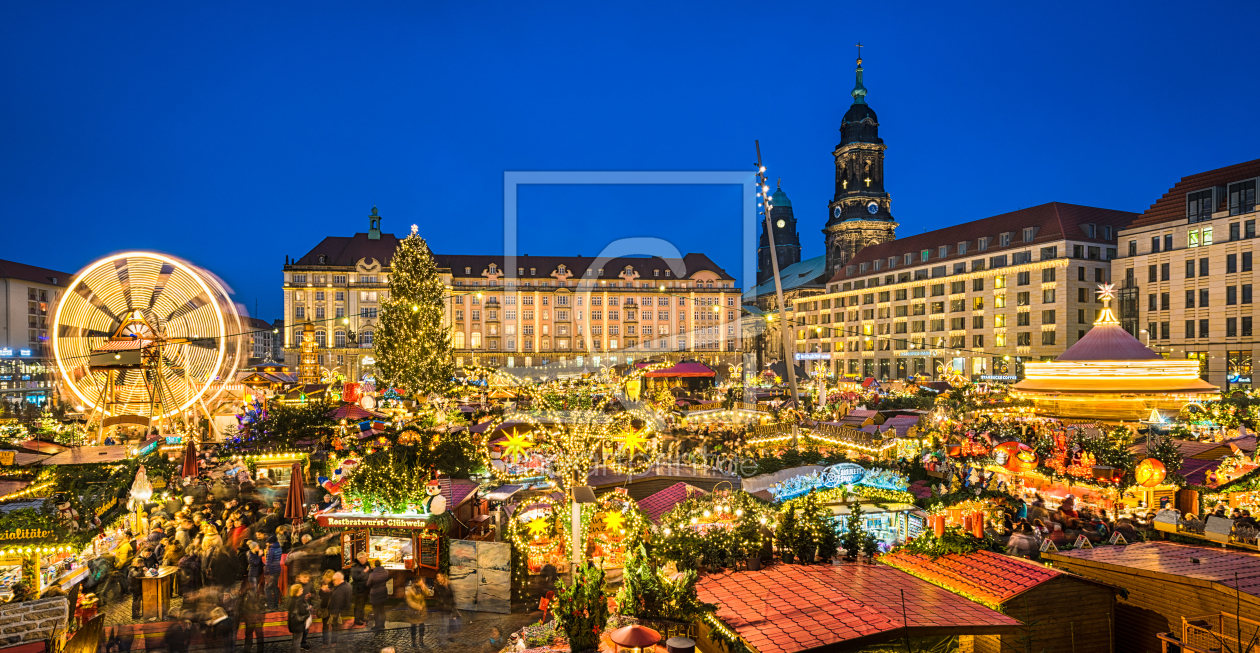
<point>413,347</point>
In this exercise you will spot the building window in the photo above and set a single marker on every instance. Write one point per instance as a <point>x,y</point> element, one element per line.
<point>1242,197</point>
<point>339,338</point>
<point>1203,328</point>
<point>299,312</point>
<point>1231,327</point>
<point>1023,339</point>
<point>1199,206</point>
<point>1047,296</point>
<point>1165,271</point>
<point>1047,337</point>
<point>365,339</point>
<point>321,339</point>
<point>1231,295</point>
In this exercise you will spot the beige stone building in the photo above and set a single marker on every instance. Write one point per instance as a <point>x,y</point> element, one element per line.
<point>549,311</point>
<point>1186,273</point>
<point>976,299</point>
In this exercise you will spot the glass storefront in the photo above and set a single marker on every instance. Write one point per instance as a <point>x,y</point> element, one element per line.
<point>1238,370</point>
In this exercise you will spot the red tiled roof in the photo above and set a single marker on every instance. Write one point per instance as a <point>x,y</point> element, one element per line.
<point>1195,470</point>
<point>1172,206</point>
<point>1054,221</point>
<point>1152,559</point>
<point>456,490</point>
<point>989,577</point>
<point>789,608</point>
<point>656,505</point>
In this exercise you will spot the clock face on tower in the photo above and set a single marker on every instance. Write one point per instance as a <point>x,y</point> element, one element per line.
<point>836,212</point>
<point>781,224</point>
<point>872,208</point>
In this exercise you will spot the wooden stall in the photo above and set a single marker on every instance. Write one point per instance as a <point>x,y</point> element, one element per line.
<point>407,545</point>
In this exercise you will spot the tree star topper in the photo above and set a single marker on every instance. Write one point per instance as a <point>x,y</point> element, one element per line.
<point>1106,291</point>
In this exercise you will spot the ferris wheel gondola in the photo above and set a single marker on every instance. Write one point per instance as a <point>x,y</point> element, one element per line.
<point>140,338</point>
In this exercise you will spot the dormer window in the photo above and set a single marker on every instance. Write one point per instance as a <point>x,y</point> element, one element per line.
<point>1004,240</point>
<point>848,269</point>
<point>876,264</point>
<point>962,248</point>
<point>494,269</point>
<point>560,269</point>
<point>982,243</point>
<point>1029,234</point>
<point>909,259</point>
<point>520,272</point>
<point>925,254</point>
<point>323,258</point>
<point>1091,230</point>
<point>1108,234</point>
<point>467,270</point>
<point>942,251</point>
<point>892,261</point>
<point>1200,204</point>
<point>533,271</point>
<point>656,273</point>
<point>601,272</point>
<point>863,268</point>
<point>1242,197</point>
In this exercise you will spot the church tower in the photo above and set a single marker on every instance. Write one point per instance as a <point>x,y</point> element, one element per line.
<point>859,211</point>
<point>787,242</point>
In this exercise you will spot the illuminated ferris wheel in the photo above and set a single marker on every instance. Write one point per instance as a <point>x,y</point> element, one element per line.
<point>142,337</point>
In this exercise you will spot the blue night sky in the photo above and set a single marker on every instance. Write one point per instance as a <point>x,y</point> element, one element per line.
<point>232,134</point>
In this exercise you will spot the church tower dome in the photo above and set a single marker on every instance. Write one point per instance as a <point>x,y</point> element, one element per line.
<point>787,242</point>
<point>859,213</point>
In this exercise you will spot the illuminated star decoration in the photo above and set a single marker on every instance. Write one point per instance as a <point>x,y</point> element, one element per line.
<point>613,521</point>
<point>537,527</point>
<point>517,443</point>
<point>1106,292</point>
<point>633,441</point>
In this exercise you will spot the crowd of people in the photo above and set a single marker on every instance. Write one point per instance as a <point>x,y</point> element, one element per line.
<point>1025,526</point>
<point>238,559</point>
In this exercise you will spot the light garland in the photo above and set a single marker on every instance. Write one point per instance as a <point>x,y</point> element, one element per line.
<point>26,492</point>
<point>551,508</point>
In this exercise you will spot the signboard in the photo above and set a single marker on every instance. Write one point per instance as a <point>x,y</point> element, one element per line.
<point>918,352</point>
<point>429,550</point>
<point>836,476</point>
<point>812,356</point>
<point>6,352</point>
<point>149,446</point>
<point>998,377</point>
<point>24,352</point>
<point>360,520</point>
<point>849,473</point>
<point>25,534</point>
<point>7,457</point>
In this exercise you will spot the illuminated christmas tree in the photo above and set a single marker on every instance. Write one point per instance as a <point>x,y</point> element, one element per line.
<point>413,346</point>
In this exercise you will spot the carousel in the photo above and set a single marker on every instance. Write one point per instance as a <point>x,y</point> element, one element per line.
<point>1110,375</point>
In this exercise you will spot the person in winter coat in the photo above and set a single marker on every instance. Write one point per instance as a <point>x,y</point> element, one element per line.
<point>220,631</point>
<point>378,592</point>
<point>358,578</point>
<point>417,610</point>
<point>271,567</point>
<point>189,572</point>
<point>299,617</point>
<point>1022,543</point>
<point>325,593</point>
<point>339,600</point>
<point>222,570</point>
<point>253,614</point>
<point>179,634</point>
<point>332,559</point>
<point>135,575</point>
<point>254,558</point>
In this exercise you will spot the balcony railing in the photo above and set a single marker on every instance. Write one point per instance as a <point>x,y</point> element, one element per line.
<point>1220,633</point>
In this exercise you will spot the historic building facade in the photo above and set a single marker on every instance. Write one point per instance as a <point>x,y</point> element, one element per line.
<point>1186,273</point>
<point>787,241</point>
<point>553,311</point>
<point>859,214</point>
<point>975,299</point>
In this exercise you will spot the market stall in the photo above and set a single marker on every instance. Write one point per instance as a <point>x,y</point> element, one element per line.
<point>408,545</point>
<point>886,507</point>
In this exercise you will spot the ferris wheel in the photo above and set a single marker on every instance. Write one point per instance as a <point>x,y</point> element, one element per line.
<point>142,337</point>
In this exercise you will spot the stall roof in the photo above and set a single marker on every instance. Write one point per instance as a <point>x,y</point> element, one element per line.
<point>1169,561</point>
<point>503,492</point>
<point>656,505</point>
<point>682,370</point>
<point>789,608</point>
<point>89,455</point>
<point>44,447</point>
<point>990,577</point>
<point>457,491</point>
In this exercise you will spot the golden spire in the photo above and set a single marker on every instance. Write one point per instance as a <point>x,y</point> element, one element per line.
<point>1106,292</point>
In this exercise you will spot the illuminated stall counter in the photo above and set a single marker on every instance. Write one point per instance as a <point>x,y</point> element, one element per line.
<point>408,545</point>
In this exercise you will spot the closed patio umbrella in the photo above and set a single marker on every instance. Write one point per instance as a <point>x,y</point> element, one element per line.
<point>190,458</point>
<point>294,508</point>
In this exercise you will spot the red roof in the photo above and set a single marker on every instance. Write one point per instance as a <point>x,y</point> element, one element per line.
<point>15,270</point>
<point>1172,206</point>
<point>1108,342</point>
<point>990,577</point>
<point>1152,559</point>
<point>788,608</point>
<point>683,369</point>
<point>1053,221</point>
<point>656,505</point>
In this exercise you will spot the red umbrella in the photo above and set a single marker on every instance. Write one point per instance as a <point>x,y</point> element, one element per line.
<point>293,507</point>
<point>190,458</point>
<point>351,412</point>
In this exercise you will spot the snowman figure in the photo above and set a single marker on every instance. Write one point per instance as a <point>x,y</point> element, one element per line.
<point>66,513</point>
<point>434,503</point>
